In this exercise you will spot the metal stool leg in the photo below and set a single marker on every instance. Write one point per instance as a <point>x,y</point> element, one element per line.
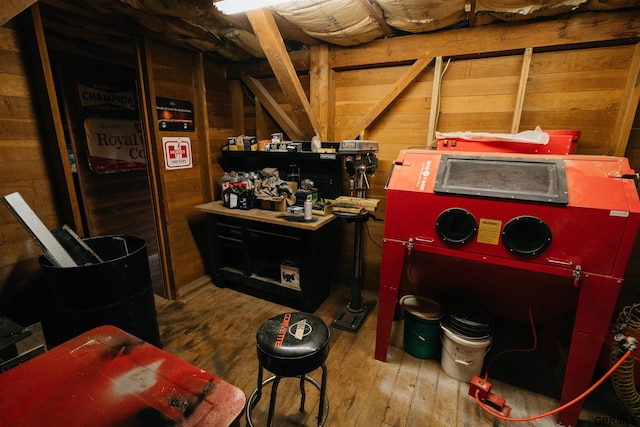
<point>272,403</point>
<point>302,393</point>
<point>323,390</point>
<point>323,403</point>
<point>259,388</point>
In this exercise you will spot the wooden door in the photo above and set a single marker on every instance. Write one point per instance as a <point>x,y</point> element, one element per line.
<point>106,150</point>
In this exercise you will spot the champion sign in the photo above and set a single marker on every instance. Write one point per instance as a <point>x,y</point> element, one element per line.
<point>91,96</point>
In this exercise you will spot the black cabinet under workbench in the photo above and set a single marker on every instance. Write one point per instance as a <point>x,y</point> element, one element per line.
<point>273,255</point>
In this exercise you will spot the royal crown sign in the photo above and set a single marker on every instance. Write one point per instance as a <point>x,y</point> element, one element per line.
<point>114,145</point>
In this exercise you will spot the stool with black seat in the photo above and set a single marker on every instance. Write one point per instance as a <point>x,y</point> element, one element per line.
<point>291,345</point>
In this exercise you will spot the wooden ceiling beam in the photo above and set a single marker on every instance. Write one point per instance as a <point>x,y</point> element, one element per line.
<point>270,104</point>
<point>377,16</point>
<point>11,8</point>
<point>299,58</point>
<point>578,28</point>
<point>273,46</point>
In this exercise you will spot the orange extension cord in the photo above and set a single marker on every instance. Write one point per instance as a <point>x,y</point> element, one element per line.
<point>527,350</point>
<point>490,411</point>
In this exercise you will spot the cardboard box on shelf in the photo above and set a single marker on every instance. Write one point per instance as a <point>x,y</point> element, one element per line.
<point>242,143</point>
<point>322,209</point>
<point>278,203</point>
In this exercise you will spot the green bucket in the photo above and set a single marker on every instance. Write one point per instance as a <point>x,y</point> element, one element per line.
<point>421,337</point>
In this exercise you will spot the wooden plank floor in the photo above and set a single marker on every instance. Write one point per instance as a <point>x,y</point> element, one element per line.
<point>214,329</point>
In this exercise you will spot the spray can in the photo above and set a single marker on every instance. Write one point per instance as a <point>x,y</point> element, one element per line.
<point>308,215</point>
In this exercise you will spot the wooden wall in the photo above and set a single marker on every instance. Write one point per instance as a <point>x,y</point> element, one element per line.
<point>26,168</point>
<point>170,73</point>
<point>221,94</point>
<point>114,203</point>
<point>570,89</point>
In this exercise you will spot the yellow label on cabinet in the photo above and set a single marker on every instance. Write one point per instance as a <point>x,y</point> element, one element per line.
<point>489,231</point>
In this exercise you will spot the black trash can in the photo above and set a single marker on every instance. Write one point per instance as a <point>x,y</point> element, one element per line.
<point>117,292</point>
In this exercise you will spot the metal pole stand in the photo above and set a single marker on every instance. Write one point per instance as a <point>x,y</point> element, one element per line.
<point>351,317</point>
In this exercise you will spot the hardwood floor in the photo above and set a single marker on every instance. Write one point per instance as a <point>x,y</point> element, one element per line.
<point>214,329</point>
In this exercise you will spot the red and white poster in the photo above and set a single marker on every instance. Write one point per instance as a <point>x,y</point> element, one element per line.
<point>114,145</point>
<point>177,153</point>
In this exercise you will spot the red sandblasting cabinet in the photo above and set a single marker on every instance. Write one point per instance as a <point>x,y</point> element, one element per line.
<point>512,231</point>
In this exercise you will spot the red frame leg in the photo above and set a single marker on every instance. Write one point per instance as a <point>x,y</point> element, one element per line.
<point>390,274</point>
<point>596,304</point>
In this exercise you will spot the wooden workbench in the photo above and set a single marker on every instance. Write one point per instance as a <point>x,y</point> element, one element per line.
<point>270,217</point>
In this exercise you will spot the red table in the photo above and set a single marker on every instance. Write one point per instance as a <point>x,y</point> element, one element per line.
<point>109,377</point>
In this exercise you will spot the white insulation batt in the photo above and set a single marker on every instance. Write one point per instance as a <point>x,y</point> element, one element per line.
<point>345,23</point>
<point>338,22</point>
<point>515,10</point>
<point>418,16</point>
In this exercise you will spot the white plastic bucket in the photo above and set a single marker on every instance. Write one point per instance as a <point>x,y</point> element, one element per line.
<point>462,358</point>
